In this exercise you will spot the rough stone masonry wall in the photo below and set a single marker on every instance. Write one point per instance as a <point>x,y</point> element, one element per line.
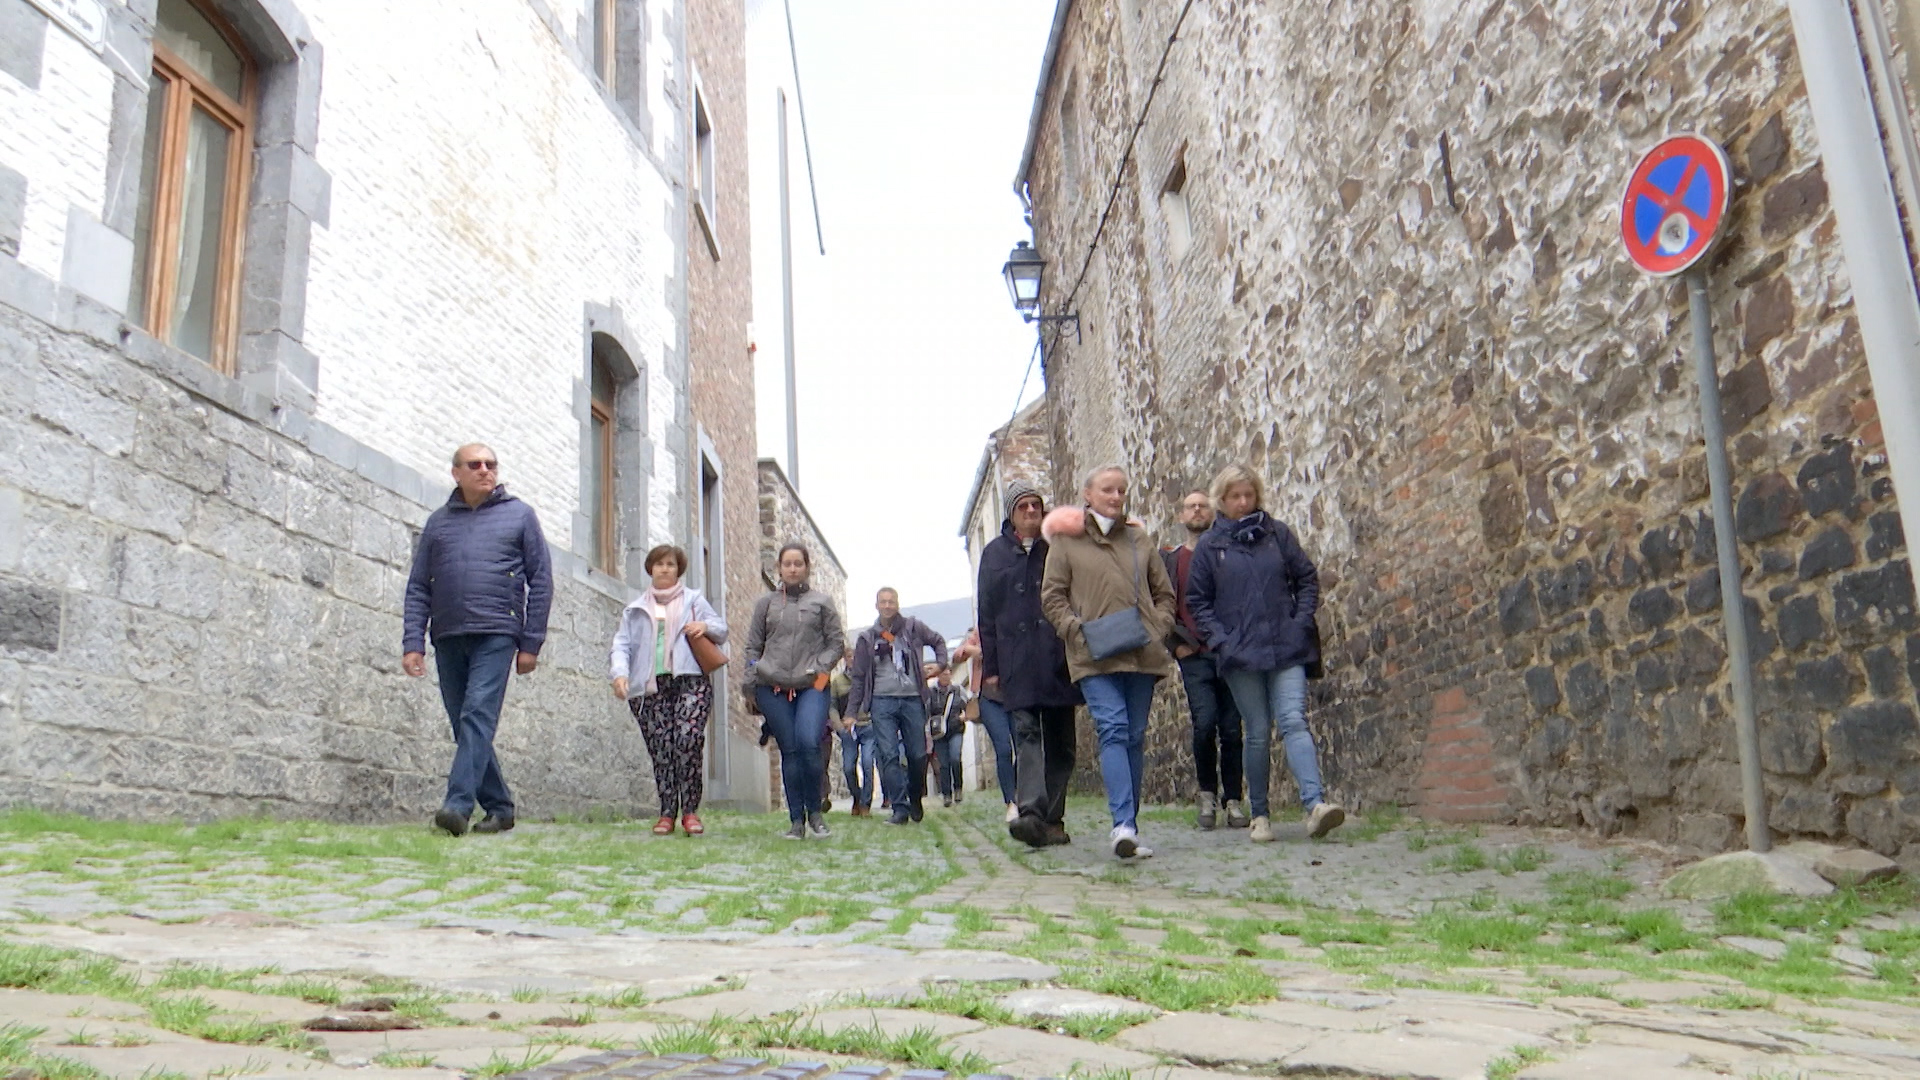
<point>1404,300</point>
<point>200,606</point>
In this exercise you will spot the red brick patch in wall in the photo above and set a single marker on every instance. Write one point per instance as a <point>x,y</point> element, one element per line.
<point>1457,782</point>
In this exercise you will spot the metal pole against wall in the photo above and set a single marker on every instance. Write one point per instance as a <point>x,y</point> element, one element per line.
<point>786,303</point>
<point>1733,608</point>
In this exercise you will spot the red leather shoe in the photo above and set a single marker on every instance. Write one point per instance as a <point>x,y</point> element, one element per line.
<point>663,827</point>
<point>691,823</point>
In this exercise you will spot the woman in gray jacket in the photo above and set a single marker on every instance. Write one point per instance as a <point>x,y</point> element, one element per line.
<point>792,645</point>
<point>657,675</point>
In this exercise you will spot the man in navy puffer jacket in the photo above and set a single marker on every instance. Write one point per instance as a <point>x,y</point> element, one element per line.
<point>482,585</point>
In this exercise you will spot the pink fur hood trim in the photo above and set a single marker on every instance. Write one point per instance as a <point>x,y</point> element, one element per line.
<point>1072,521</point>
<point>1064,521</point>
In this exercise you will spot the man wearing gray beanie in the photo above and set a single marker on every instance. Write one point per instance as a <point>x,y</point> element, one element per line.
<point>1025,665</point>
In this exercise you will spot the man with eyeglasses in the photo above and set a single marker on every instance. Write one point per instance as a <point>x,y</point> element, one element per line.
<point>481,585</point>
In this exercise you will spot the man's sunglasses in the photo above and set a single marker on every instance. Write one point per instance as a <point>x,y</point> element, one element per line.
<point>482,466</point>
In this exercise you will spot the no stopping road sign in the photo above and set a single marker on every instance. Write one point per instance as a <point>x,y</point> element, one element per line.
<point>1675,204</point>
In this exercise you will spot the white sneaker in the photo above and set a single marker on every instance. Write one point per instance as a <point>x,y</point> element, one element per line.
<point>1125,842</point>
<point>1142,851</point>
<point>1261,831</point>
<point>1013,813</point>
<point>1325,818</point>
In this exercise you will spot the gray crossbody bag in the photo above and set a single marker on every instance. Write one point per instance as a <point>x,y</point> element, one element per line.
<point>1119,632</point>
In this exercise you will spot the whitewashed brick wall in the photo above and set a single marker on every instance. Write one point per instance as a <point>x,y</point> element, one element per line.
<point>483,192</point>
<point>56,136</point>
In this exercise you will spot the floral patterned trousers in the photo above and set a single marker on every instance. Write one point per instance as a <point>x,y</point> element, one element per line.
<point>673,720</point>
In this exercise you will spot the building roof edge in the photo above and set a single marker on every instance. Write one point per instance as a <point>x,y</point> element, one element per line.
<point>1060,10</point>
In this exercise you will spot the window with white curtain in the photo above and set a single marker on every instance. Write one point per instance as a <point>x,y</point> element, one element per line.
<point>192,184</point>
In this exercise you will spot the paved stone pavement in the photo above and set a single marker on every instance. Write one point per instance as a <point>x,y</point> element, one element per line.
<point>1006,962</point>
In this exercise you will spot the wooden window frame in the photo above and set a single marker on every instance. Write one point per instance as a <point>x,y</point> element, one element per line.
<point>606,21</point>
<point>609,505</point>
<point>186,89</point>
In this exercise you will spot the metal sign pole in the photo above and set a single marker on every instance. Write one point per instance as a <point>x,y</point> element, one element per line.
<point>1733,613</point>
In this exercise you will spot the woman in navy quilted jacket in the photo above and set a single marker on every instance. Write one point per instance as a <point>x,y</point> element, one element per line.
<point>1253,592</point>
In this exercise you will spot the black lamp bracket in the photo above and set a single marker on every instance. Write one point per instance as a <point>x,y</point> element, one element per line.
<point>1071,318</point>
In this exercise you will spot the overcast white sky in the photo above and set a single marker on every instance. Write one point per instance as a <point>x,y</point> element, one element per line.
<point>908,350</point>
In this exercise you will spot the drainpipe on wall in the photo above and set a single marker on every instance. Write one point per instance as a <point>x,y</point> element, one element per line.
<point>1872,238</point>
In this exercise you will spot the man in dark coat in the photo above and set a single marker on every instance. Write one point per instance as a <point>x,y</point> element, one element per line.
<point>1023,659</point>
<point>1216,720</point>
<point>481,585</point>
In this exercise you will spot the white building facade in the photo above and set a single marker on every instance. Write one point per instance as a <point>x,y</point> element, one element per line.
<point>263,265</point>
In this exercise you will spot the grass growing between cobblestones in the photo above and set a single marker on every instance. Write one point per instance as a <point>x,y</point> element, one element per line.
<point>599,875</point>
<point>980,1001</point>
<point>921,1047</point>
<point>17,1057</point>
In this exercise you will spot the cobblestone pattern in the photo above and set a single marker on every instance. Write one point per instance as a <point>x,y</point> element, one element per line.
<point>1401,297</point>
<point>200,608</point>
<point>637,1065</point>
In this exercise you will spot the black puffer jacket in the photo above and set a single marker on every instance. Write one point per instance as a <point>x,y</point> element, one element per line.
<point>480,570</point>
<point>1017,644</point>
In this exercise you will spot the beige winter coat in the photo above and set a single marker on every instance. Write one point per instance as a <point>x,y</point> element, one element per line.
<point>1090,574</point>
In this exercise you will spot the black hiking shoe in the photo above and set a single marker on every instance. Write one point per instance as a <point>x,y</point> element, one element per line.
<point>495,823</point>
<point>1029,830</point>
<point>449,822</point>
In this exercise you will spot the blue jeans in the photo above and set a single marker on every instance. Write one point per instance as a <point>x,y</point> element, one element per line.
<point>1217,749</point>
<point>1268,699</point>
<point>901,722</point>
<point>1119,704</point>
<point>473,682</point>
<point>999,724</point>
<point>948,768</point>
<point>857,762</point>
<point>797,727</point>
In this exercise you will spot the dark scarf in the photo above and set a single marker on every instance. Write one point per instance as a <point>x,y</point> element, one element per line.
<point>1252,529</point>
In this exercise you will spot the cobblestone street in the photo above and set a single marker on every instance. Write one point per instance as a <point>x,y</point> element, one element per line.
<point>1391,950</point>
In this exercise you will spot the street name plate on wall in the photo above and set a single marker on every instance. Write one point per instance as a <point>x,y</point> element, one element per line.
<point>84,19</point>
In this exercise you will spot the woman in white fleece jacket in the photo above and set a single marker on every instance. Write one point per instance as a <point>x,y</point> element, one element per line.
<point>656,674</point>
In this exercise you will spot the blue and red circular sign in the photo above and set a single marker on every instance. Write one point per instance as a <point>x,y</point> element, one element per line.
<point>1675,205</point>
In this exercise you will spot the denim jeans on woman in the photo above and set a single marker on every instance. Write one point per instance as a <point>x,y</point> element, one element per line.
<point>797,726</point>
<point>1270,699</point>
<point>1119,704</point>
<point>998,721</point>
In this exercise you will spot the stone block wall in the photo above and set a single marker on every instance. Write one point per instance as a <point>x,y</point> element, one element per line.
<point>1373,251</point>
<point>783,520</point>
<point>200,601</point>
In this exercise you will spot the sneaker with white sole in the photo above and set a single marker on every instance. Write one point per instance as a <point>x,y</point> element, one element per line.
<point>1125,841</point>
<point>1013,812</point>
<point>1325,818</point>
<point>1236,815</point>
<point>1261,830</point>
<point>1209,813</point>
<point>1142,851</point>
